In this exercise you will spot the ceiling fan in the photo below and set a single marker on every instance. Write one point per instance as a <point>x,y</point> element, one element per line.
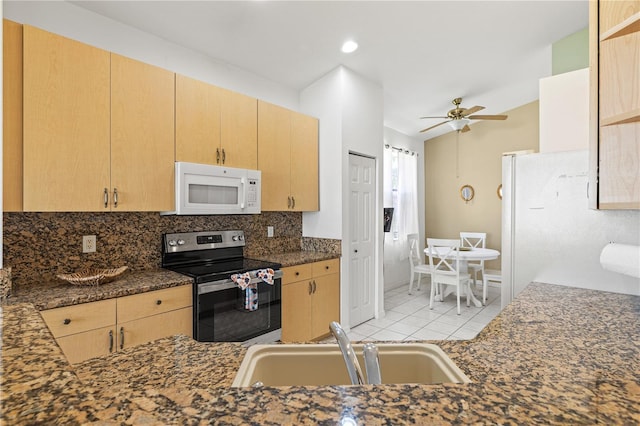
<point>459,118</point>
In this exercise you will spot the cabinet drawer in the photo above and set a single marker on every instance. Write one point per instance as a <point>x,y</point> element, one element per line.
<point>326,267</point>
<point>154,302</point>
<point>89,344</point>
<point>79,318</point>
<point>292,274</point>
<point>155,327</point>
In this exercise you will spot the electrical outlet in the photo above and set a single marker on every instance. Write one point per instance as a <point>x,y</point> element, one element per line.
<point>88,243</point>
<point>269,231</point>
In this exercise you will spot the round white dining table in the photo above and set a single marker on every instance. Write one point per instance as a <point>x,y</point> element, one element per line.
<point>466,255</point>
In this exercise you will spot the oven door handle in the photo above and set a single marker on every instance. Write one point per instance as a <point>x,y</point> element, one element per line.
<point>226,284</point>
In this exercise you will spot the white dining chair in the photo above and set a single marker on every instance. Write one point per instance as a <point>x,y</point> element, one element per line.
<point>489,275</point>
<point>444,260</point>
<point>418,267</point>
<point>474,240</point>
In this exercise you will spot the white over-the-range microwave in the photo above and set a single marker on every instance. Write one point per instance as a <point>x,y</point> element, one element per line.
<point>203,189</point>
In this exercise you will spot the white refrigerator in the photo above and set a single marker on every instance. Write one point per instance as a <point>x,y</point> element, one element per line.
<point>550,235</point>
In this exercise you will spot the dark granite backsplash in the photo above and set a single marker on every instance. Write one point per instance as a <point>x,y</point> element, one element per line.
<point>41,245</point>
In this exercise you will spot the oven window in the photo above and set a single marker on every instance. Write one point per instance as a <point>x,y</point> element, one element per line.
<point>222,316</point>
<point>213,194</point>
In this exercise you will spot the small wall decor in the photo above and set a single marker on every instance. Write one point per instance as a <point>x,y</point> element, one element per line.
<point>467,193</point>
<point>500,191</point>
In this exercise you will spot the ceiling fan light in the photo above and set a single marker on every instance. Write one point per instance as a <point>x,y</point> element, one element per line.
<point>458,124</point>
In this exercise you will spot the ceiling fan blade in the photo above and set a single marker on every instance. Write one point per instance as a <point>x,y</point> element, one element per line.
<point>488,117</point>
<point>441,116</point>
<point>429,128</point>
<point>471,110</point>
<point>465,129</point>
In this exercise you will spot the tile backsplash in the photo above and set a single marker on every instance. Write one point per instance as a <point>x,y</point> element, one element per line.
<point>37,246</point>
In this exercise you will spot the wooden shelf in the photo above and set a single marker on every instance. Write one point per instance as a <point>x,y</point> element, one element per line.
<point>628,26</point>
<point>626,117</point>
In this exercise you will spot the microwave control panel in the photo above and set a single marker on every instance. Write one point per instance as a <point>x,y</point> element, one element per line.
<point>252,192</point>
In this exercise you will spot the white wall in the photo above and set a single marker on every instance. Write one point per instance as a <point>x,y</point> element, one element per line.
<point>350,109</point>
<point>66,19</point>
<point>564,112</point>
<point>398,273</point>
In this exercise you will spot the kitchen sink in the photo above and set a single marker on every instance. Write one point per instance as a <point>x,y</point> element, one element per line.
<point>323,364</point>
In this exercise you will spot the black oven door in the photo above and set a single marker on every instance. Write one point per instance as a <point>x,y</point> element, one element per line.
<point>226,313</point>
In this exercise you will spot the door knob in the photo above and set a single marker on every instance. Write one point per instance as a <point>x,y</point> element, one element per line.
<point>355,251</point>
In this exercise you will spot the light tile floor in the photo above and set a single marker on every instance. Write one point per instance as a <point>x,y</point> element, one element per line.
<point>408,317</point>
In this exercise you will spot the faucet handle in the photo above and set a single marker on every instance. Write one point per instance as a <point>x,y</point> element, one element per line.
<point>372,364</point>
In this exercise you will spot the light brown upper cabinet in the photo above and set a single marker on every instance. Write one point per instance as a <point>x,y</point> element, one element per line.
<point>615,104</point>
<point>12,116</point>
<point>214,125</point>
<point>98,129</point>
<point>288,159</point>
<point>142,136</point>
<point>66,123</point>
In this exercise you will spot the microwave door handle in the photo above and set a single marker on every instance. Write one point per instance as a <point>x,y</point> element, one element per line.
<point>243,193</point>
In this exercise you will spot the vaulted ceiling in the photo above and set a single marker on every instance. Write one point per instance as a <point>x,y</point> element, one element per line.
<point>423,53</point>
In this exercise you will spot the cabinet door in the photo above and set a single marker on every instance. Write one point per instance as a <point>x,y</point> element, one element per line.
<point>12,117</point>
<point>615,115</point>
<point>296,311</point>
<point>274,160</point>
<point>154,302</point>
<point>304,162</point>
<point>239,130</point>
<point>155,327</point>
<point>197,121</point>
<point>89,344</point>
<point>326,267</point>
<point>79,318</point>
<point>326,304</point>
<point>142,136</point>
<point>66,123</point>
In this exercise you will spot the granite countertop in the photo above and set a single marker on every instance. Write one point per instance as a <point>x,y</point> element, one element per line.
<point>56,294</point>
<point>298,257</point>
<point>49,295</point>
<point>555,355</point>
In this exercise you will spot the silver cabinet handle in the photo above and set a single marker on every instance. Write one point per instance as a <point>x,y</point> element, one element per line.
<point>224,156</point>
<point>314,286</point>
<point>106,198</point>
<point>121,337</point>
<point>115,197</point>
<point>310,288</point>
<point>66,321</point>
<point>217,155</point>
<point>110,341</point>
<point>289,202</point>
<point>293,202</point>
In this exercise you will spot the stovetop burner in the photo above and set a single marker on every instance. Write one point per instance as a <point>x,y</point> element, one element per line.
<point>209,255</point>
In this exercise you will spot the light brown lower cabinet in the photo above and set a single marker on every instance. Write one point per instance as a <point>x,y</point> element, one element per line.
<point>310,300</point>
<point>99,328</point>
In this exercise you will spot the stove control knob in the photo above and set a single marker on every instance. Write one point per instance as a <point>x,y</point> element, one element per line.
<point>172,243</point>
<point>240,237</point>
<point>180,242</point>
<point>234,238</point>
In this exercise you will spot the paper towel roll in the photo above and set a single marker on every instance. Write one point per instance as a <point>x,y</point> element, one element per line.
<point>621,258</point>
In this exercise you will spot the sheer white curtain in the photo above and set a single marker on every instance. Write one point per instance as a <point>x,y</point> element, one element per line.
<point>400,192</point>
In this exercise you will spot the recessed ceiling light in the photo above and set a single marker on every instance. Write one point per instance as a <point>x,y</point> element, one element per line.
<point>349,46</point>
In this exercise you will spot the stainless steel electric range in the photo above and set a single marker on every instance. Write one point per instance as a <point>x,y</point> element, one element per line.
<point>223,311</point>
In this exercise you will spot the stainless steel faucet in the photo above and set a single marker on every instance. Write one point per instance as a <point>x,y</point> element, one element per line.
<point>351,360</point>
